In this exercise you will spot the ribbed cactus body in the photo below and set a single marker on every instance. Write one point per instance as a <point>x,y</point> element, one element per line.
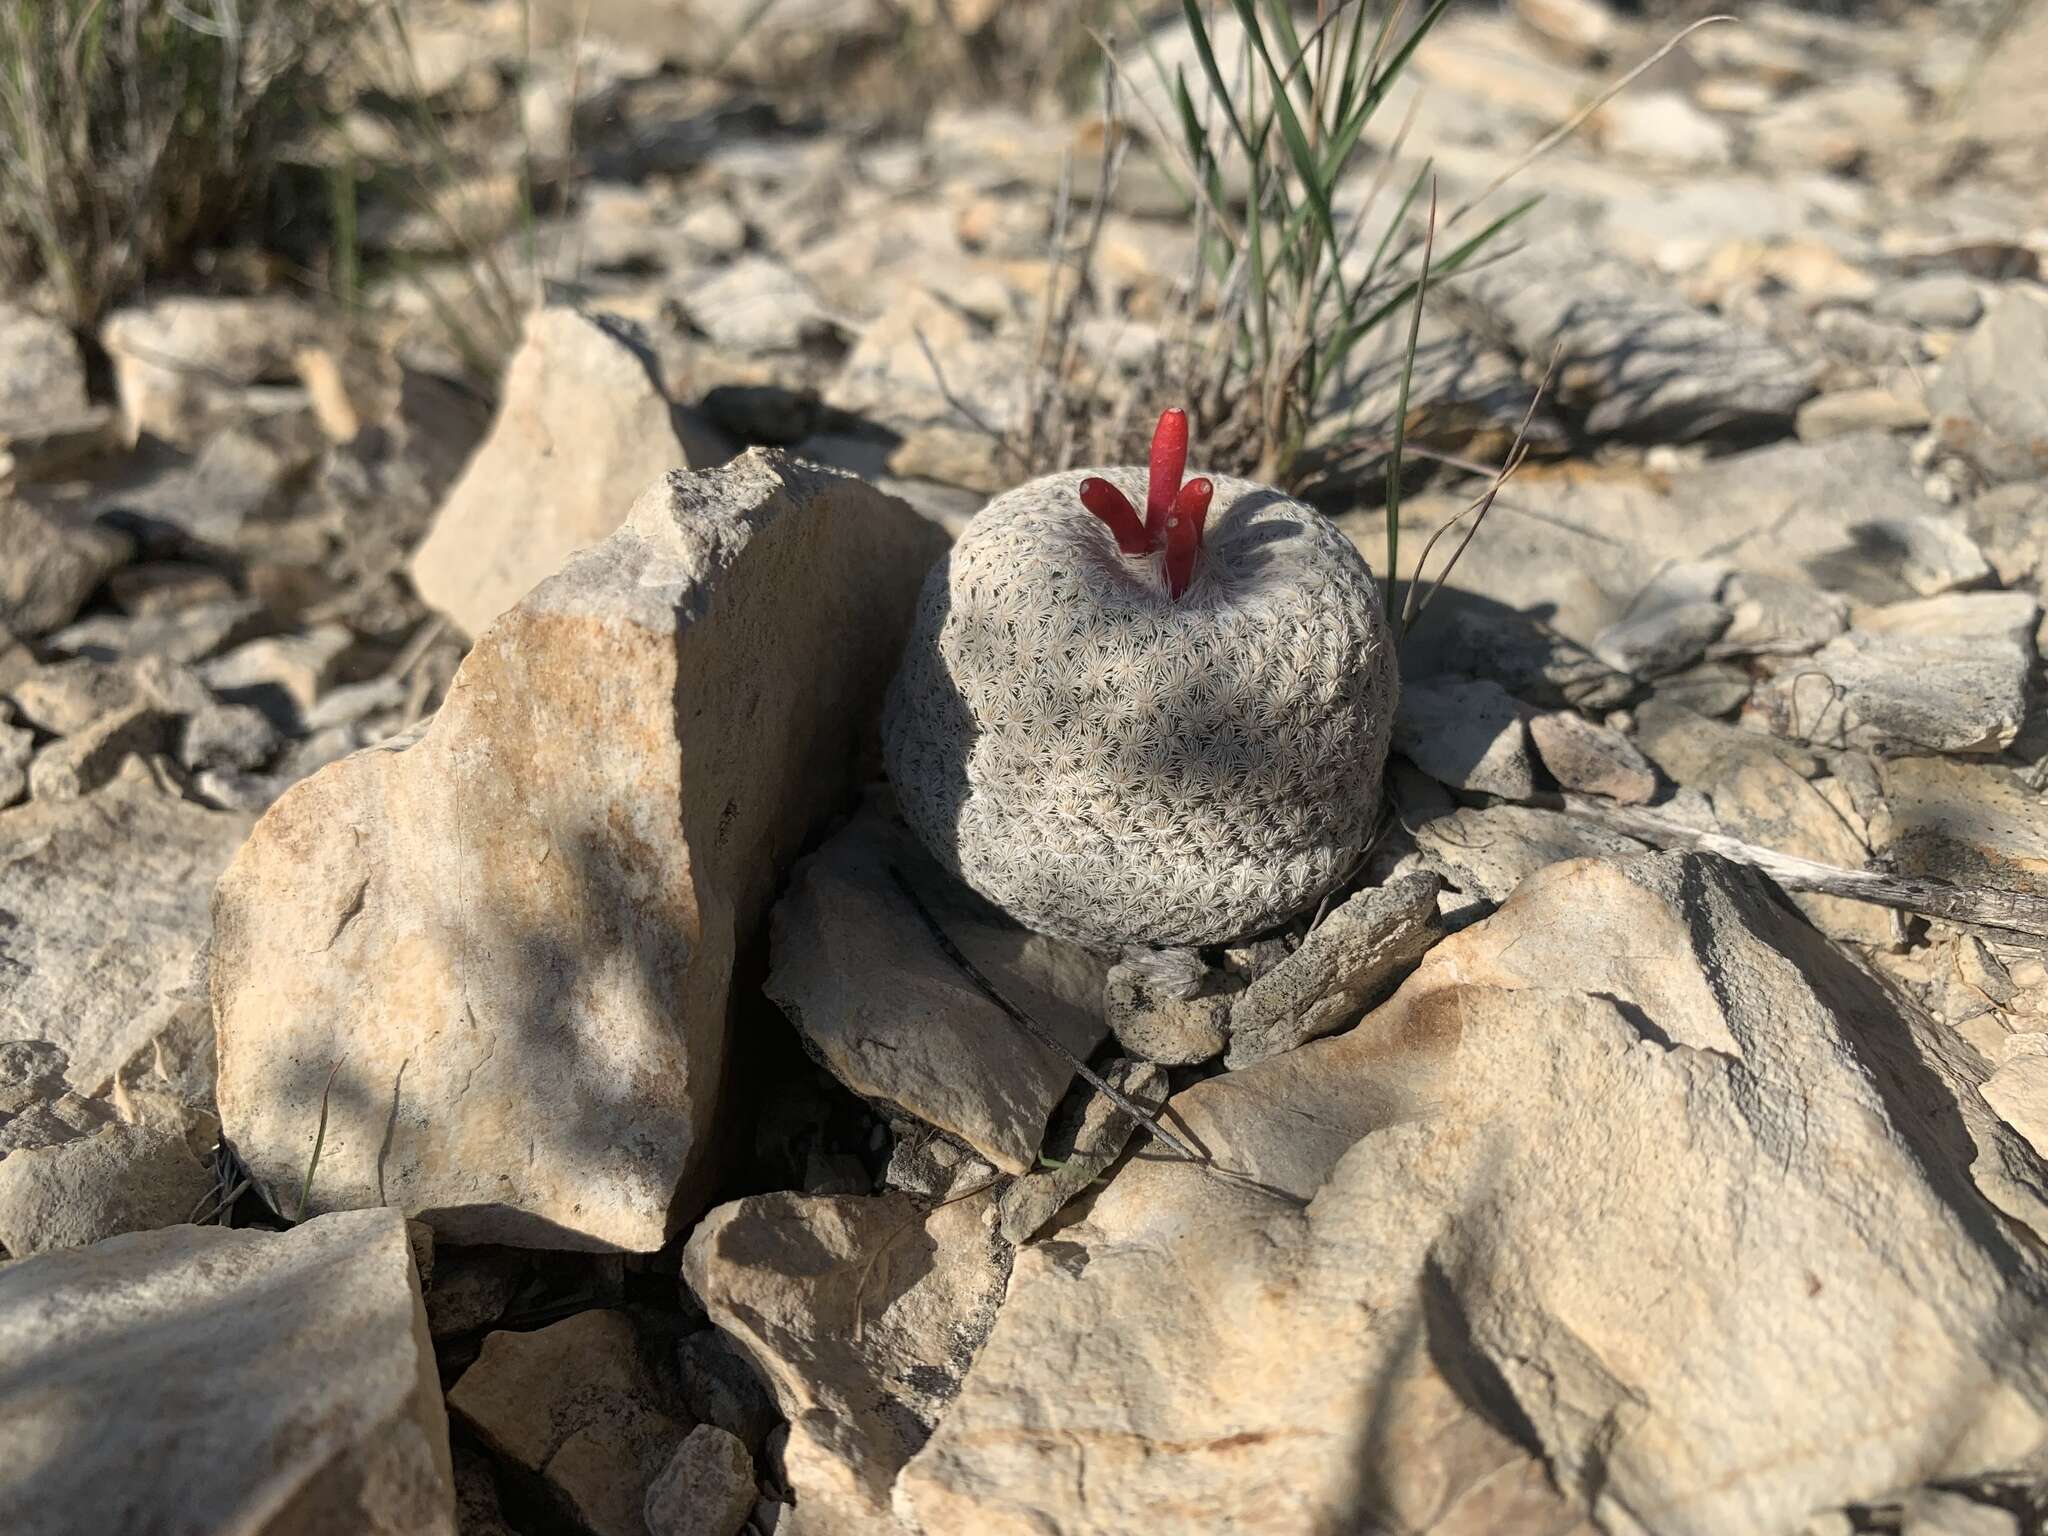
<point>1110,765</point>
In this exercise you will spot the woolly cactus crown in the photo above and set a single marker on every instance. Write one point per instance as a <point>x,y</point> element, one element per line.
<point>1156,746</point>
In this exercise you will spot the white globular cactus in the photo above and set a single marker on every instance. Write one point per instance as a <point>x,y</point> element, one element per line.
<point>1167,730</point>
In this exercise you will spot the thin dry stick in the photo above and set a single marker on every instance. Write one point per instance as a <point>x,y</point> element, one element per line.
<point>2012,917</point>
<point>1577,120</point>
<point>1518,450</point>
<point>1036,1030</point>
<point>973,417</point>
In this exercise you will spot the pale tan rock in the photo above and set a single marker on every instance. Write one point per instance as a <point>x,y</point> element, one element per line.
<point>574,1405</point>
<point>201,1379</point>
<point>1347,964</point>
<point>109,895</point>
<point>1965,822</point>
<point>1592,758</point>
<point>895,1019</point>
<point>515,929</point>
<point>181,363</point>
<point>1635,1109</point>
<point>584,428</point>
<point>863,1314</point>
<point>122,1178</point>
<point>707,1488</point>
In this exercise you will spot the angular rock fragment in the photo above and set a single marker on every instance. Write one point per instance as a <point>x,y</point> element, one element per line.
<point>1157,1024</point>
<point>863,1313</point>
<point>1468,735</point>
<point>201,1379</point>
<point>1591,758</point>
<point>49,565</point>
<point>1945,674</point>
<point>108,895</point>
<point>37,1108</point>
<point>1637,358</point>
<point>1990,400</point>
<point>573,1405</point>
<point>515,930</point>
<point>1076,1153</point>
<point>1346,965</point>
<point>895,1018</point>
<point>583,430</point>
<point>707,1488</point>
<point>182,363</point>
<point>122,1178</point>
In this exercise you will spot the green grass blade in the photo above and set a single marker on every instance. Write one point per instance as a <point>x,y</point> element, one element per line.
<point>1199,31</point>
<point>319,1140</point>
<point>1307,167</point>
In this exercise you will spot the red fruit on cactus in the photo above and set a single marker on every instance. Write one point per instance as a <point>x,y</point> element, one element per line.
<point>1184,528</point>
<point>1169,463</point>
<point>1176,515</point>
<point>1115,509</point>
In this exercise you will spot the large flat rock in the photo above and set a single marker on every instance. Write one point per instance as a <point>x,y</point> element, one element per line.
<point>1641,1168</point>
<point>201,1380</point>
<point>510,939</point>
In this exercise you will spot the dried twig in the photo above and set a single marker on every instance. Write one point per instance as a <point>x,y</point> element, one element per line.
<point>1036,1030</point>
<point>1414,605</point>
<point>2009,917</point>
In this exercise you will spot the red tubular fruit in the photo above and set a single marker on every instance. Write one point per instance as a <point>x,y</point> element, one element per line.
<point>1193,504</point>
<point>1169,462</point>
<point>1115,509</point>
<point>1184,529</point>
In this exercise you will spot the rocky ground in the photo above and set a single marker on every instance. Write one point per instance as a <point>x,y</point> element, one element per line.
<point>466,1062</point>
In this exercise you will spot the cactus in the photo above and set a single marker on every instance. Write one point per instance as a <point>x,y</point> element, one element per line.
<point>1167,731</point>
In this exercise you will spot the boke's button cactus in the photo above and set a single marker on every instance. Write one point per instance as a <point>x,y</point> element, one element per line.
<point>1167,729</point>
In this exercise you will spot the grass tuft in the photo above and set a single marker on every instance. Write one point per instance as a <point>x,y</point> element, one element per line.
<point>137,129</point>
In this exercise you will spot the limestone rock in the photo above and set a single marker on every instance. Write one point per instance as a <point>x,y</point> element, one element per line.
<point>122,1178</point>
<point>1773,616</point>
<point>1487,853</point>
<point>1344,967</point>
<point>17,747</point>
<point>1593,759</point>
<point>108,895</point>
<point>237,736</point>
<point>719,1387</point>
<point>1664,640</point>
<point>181,363</point>
<point>1468,735</point>
<point>707,1489</point>
<point>1990,400</point>
<point>574,1405</point>
<point>863,1314</point>
<point>1638,359</point>
<point>84,761</point>
<point>1946,674</point>
<point>42,375</point>
<point>1964,822</point>
<point>49,565</point>
<point>1079,1149</point>
<point>515,929</point>
<point>37,1108</point>
<point>1155,1024</point>
<point>1467,1244</point>
<point>584,428</point>
<point>202,1379</point>
<point>895,1019</point>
